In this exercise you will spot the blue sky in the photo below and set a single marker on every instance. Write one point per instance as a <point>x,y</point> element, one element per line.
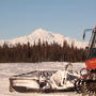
<point>67,17</point>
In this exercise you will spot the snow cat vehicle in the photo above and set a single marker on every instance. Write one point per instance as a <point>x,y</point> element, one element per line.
<point>43,81</point>
<point>86,84</point>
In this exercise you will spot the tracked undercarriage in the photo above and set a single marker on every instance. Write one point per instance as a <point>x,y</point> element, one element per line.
<point>87,86</point>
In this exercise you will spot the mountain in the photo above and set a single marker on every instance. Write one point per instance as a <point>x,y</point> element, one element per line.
<point>43,36</point>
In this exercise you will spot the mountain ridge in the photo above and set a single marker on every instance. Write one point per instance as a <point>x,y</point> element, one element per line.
<point>44,35</point>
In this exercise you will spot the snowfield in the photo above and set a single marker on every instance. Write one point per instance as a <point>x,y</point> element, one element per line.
<point>9,69</point>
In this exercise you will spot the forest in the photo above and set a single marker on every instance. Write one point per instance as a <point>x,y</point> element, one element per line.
<point>41,52</point>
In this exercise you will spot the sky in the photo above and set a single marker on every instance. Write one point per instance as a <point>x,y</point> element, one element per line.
<point>67,17</point>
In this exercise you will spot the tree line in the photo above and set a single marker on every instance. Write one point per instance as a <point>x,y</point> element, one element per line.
<point>41,52</point>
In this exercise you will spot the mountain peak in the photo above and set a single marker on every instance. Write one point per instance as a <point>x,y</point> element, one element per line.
<point>40,31</point>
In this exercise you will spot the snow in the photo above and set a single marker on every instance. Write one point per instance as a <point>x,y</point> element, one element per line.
<point>9,69</point>
<point>1,42</point>
<point>44,35</point>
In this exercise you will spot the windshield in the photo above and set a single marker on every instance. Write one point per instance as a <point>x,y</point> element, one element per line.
<point>92,53</point>
<point>92,43</point>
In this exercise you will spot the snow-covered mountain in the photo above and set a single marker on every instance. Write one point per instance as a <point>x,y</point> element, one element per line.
<point>43,36</point>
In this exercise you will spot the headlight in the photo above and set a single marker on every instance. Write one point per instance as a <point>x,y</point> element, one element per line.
<point>84,71</point>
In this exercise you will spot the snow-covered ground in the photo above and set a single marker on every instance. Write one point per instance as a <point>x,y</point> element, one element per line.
<point>9,69</point>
